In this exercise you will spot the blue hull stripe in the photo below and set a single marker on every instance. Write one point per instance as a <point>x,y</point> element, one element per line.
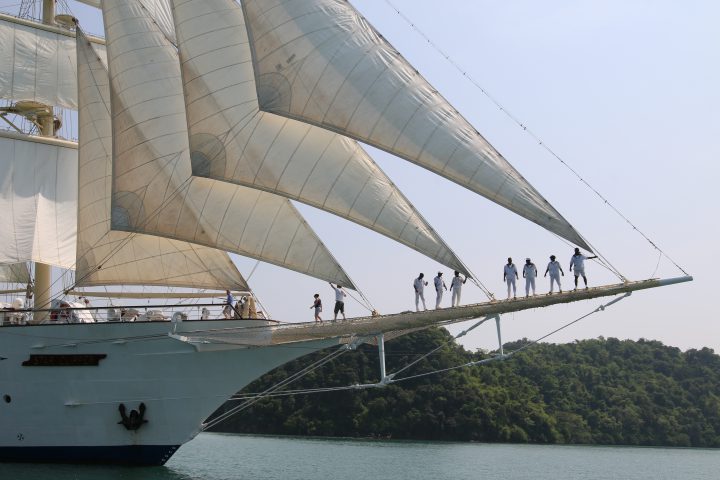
<point>119,455</point>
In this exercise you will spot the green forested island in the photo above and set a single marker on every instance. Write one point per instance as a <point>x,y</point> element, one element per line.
<point>603,391</point>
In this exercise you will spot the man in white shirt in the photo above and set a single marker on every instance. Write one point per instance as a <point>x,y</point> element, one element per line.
<point>339,301</point>
<point>555,270</point>
<point>529,274</point>
<point>439,286</point>
<point>577,262</point>
<point>456,288</point>
<point>510,275</point>
<point>419,285</point>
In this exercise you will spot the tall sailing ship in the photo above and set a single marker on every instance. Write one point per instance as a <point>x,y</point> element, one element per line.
<point>200,121</point>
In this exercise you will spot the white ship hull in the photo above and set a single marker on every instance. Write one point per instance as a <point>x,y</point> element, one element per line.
<point>70,413</point>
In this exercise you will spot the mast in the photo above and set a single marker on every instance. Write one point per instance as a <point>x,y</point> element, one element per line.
<point>46,128</point>
<point>48,12</point>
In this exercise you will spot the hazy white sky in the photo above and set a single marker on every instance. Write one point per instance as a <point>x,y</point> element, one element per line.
<point>626,91</point>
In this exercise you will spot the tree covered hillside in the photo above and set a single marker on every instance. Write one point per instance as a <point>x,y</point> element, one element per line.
<point>603,391</point>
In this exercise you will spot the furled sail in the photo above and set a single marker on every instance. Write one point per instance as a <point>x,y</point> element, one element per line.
<point>38,63</point>
<point>15,273</point>
<point>153,188</point>
<point>106,257</point>
<point>38,199</point>
<point>320,61</point>
<point>232,140</point>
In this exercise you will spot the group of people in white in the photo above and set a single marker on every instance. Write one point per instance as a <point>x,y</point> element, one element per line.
<point>456,284</point>
<point>510,276</point>
<point>530,272</point>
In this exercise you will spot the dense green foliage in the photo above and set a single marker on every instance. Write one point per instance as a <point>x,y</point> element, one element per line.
<point>603,391</point>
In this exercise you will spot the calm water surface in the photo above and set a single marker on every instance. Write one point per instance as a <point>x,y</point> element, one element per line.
<point>230,457</point>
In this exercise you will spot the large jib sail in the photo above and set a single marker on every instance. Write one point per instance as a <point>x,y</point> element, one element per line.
<point>106,257</point>
<point>321,62</point>
<point>153,188</point>
<point>231,139</point>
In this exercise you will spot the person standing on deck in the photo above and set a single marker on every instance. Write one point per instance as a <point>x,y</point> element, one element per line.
<point>245,308</point>
<point>252,311</point>
<point>229,302</point>
<point>577,262</point>
<point>439,286</point>
<point>529,274</point>
<point>456,288</point>
<point>509,276</point>
<point>317,305</point>
<point>339,301</point>
<point>419,285</point>
<point>555,270</point>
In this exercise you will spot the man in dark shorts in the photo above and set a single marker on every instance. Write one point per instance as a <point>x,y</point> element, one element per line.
<point>339,300</point>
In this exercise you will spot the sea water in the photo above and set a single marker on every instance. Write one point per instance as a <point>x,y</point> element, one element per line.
<point>242,457</point>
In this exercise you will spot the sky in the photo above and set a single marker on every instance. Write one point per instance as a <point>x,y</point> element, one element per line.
<point>625,91</point>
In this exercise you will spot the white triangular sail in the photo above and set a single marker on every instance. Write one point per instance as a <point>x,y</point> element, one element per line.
<point>320,61</point>
<point>159,10</point>
<point>14,273</point>
<point>232,140</point>
<point>153,189</point>
<point>106,257</point>
<point>38,63</point>
<point>38,200</point>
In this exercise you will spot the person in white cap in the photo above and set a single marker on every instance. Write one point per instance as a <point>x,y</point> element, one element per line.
<point>577,262</point>
<point>456,288</point>
<point>419,285</point>
<point>555,270</point>
<point>439,286</point>
<point>510,275</point>
<point>529,274</point>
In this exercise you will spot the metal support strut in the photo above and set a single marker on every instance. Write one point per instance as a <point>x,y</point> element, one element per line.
<point>381,353</point>
<point>500,343</point>
<point>385,379</point>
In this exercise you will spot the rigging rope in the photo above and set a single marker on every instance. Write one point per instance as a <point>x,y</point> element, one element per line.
<point>601,308</point>
<point>534,136</point>
<point>271,393</point>
<point>461,334</point>
<point>296,376</point>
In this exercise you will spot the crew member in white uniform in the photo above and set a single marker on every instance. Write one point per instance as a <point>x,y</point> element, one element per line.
<point>456,288</point>
<point>577,263</point>
<point>510,275</point>
<point>419,285</point>
<point>529,274</point>
<point>555,270</point>
<point>439,287</point>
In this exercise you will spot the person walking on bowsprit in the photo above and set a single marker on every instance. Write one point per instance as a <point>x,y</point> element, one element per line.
<point>456,288</point>
<point>529,274</point>
<point>555,270</point>
<point>339,300</point>
<point>439,286</point>
<point>419,285</point>
<point>317,305</point>
<point>578,263</point>
<point>509,276</point>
